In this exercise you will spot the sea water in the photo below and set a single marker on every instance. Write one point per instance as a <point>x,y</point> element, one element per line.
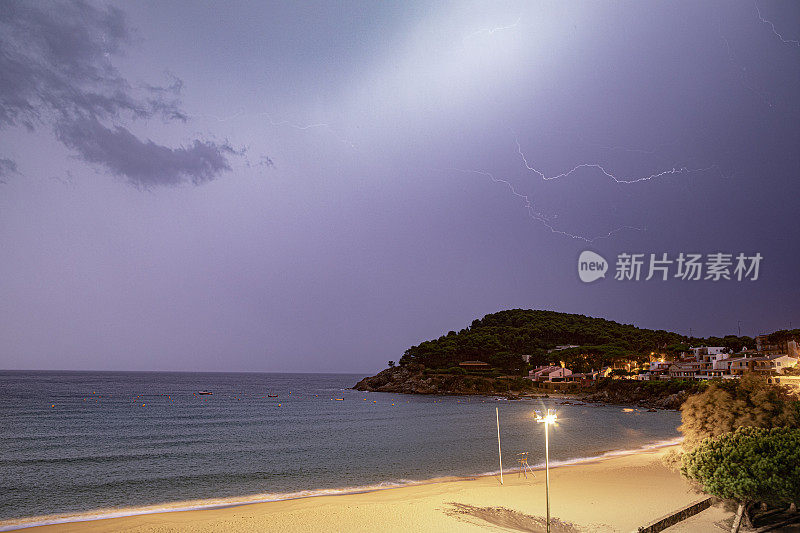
<point>77,445</point>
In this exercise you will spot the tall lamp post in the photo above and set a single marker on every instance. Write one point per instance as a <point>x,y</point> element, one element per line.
<point>548,419</point>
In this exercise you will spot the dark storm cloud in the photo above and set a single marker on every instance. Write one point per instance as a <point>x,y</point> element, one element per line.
<point>57,71</point>
<point>7,167</point>
<point>265,161</point>
<point>166,100</point>
<point>56,59</point>
<point>143,163</point>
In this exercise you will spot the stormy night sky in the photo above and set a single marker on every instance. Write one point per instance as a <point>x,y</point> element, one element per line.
<point>315,187</point>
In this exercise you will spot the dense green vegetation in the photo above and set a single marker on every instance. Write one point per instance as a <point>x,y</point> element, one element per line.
<point>501,338</point>
<point>748,465</point>
<point>742,442</point>
<point>783,335</point>
<point>724,406</point>
<point>655,388</point>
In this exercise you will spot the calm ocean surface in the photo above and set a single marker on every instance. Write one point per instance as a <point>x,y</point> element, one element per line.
<point>74,442</point>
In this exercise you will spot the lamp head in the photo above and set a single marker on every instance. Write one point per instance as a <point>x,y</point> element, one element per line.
<point>549,418</point>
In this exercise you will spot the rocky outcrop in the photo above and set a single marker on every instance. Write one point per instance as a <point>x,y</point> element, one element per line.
<point>641,396</point>
<point>412,381</point>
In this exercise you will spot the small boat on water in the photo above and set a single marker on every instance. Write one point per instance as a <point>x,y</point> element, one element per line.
<point>272,395</point>
<point>205,392</point>
<point>339,399</point>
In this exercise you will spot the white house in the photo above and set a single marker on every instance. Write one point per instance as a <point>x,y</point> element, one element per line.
<point>702,351</point>
<point>562,347</point>
<point>684,370</point>
<point>774,363</point>
<point>549,373</point>
<point>656,370</point>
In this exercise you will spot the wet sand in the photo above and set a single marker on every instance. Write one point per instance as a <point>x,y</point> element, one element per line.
<point>609,494</point>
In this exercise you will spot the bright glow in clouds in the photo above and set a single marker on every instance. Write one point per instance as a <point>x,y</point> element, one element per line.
<point>399,205</point>
<point>470,61</point>
<point>452,60</point>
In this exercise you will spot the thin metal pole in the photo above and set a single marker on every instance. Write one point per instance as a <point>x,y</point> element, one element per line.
<point>499,450</point>
<point>547,468</point>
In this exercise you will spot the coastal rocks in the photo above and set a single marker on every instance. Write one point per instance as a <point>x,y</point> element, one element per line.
<point>641,396</point>
<point>398,380</point>
<point>415,379</point>
<point>418,381</point>
<point>673,401</point>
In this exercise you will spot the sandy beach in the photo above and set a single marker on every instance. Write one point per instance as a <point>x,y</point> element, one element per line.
<point>618,493</point>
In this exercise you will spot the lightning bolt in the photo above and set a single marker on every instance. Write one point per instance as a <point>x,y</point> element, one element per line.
<point>492,31</point>
<point>306,127</point>
<point>763,95</point>
<point>761,19</point>
<point>285,123</point>
<point>603,170</point>
<point>218,118</point>
<point>528,205</point>
<point>538,216</point>
<point>743,71</point>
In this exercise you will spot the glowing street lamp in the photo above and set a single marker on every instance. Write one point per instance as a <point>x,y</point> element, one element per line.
<point>548,419</point>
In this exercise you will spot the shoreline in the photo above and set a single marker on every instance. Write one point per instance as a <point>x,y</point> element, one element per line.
<point>400,380</point>
<point>222,504</point>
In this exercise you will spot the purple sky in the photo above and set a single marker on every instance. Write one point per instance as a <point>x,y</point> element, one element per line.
<point>298,187</point>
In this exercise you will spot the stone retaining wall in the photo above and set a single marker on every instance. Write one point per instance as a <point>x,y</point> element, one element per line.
<point>671,519</point>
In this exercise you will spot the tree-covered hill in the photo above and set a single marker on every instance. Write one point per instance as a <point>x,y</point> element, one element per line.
<point>501,338</point>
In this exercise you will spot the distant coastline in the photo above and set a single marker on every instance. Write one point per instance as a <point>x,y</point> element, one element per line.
<point>401,380</point>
